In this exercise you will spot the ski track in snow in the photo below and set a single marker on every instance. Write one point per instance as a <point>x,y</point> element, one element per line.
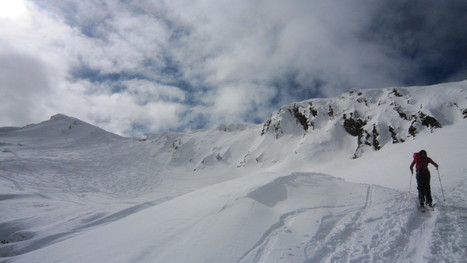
<point>329,238</point>
<point>262,247</point>
<point>315,251</point>
<point>378,231</point>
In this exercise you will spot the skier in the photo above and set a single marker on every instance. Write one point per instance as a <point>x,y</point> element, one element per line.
<point>421,161</point>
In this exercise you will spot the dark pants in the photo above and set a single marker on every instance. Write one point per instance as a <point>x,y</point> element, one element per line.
<point>423,186</point>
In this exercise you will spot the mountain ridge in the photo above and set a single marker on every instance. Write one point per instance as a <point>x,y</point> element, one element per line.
<point>374,117</point>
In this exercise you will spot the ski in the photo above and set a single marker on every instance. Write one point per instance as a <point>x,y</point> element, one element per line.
<point>424,209</point>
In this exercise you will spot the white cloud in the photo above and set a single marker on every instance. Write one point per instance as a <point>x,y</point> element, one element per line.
<point>12,9</point>
<point>23,84</point>
<point>159,65</point>
<point>40,51</point>
<point>257,42</point>
<point>136,106</point>
<point>121,112</point>
<point>234,103</point>
<point>146,91</point>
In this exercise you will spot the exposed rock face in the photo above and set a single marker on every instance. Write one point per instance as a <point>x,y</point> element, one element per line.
<point>373,117</point>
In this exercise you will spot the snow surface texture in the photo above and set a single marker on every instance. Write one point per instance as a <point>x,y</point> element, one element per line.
<point>324,180</point>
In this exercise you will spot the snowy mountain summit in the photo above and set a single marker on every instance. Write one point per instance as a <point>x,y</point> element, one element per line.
<point>322,180</point>
<point>60,129</point>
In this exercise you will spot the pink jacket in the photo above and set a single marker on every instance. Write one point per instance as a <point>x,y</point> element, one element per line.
<point>421,162</point>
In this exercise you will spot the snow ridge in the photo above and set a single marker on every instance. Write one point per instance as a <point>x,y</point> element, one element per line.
<point>374,117</point>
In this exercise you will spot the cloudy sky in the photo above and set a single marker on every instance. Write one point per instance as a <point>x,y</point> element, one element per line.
<point>149,66</point>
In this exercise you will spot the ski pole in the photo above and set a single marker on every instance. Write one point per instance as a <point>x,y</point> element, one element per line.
<point>442,190</point>
<point>410,185</point>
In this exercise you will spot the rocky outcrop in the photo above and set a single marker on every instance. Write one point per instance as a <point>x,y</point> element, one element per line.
<point>372,117</point>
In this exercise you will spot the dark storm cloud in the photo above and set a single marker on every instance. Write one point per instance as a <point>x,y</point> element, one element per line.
<point>430,36</point>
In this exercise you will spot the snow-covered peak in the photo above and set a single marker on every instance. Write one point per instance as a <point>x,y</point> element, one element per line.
<point>374,117</point>
<point>60,129</point>
<point>60,116</point>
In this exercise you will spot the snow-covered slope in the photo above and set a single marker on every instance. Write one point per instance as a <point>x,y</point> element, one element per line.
<point>323,180</point>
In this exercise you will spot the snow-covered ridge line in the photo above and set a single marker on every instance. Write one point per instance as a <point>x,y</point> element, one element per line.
<point>376,116</point>
<point>354,122</point>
